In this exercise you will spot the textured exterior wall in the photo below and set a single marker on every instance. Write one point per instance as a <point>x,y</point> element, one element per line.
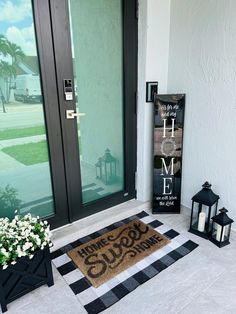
<point>154,22</point>
<point>202,64</point>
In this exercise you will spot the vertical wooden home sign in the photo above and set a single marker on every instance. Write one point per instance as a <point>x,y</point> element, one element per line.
<point>168,144</point>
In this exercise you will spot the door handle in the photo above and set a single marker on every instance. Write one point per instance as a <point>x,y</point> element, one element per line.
<point>71,114</point>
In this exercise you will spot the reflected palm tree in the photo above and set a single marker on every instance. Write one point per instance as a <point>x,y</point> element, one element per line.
<point>3,51</point>
<point>6,71</point>
<point>16,54</point>
<point>3,45</point>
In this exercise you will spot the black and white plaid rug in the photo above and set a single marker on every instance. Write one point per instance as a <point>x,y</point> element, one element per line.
<point>98,299</point>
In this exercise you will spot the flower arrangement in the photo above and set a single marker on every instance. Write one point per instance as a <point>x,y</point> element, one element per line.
<point>22,236</point>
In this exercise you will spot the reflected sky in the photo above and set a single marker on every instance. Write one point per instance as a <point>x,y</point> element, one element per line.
<point>16,24</point>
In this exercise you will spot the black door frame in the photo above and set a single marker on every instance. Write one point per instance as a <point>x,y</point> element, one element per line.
<point>54,48</point>
<point>42,24</point>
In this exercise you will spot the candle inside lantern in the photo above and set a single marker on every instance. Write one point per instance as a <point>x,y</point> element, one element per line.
<point>218,233</point>
<point>201,222</point>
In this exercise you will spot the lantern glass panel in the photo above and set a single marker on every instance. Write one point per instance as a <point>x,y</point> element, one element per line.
<point>195,216</point>
<point>217,233</point>
<point>200,217</point>
<point>213,211</point>
<point>227,232</point>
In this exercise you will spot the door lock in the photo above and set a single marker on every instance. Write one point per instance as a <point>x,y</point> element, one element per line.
<point>71,114</point>
<point>68,89</point>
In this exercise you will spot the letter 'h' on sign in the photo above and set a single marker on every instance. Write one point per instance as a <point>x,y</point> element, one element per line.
<point>172,128</point>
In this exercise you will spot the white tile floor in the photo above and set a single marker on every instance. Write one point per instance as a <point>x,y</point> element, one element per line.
<point>203,282</point>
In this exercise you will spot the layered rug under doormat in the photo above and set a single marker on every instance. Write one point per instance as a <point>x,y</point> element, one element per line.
<point>117,259</point>
<point>113,252</point>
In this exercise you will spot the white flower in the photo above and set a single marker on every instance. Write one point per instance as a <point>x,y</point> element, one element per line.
<point>27,246</point>
<point>13,223</point>
<point>19,251</point>
<point>38,240</point>
<point>20,236</point>
<point>4,252</point>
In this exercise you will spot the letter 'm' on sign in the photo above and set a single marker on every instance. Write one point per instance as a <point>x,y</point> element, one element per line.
<point>172,128</point>
<point>170,167</point>
<point>166,187</point>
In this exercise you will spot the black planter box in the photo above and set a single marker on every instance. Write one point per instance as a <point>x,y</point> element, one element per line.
<point>26,275</point>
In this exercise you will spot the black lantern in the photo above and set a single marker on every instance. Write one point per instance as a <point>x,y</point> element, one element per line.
<point>106,168</point>
<point>204,206</point>
<point>221,228</point>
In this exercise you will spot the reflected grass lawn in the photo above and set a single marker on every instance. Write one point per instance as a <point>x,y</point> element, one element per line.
<point>22,132</point>
<point>28,154</point>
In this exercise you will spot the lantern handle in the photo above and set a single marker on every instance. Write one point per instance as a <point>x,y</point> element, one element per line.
<point>206,185</point>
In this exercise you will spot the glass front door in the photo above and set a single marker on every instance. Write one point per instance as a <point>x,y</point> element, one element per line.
<point>68,71</point>
<point>25,175</point>
<point>97,41</point>
<point>97,52</point>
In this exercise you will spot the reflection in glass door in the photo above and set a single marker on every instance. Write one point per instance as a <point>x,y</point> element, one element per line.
<point>25,180</point>
<point>97,50</point>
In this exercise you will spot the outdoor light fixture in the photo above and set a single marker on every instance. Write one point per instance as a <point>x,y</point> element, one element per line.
<point>221,228</point>
<point>106,168</point>
<point>204,206</point>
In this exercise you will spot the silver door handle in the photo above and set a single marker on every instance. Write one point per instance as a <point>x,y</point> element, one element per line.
<point>71,114</point>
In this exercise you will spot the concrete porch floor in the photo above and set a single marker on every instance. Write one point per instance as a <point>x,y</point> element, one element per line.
<point>202,282</point>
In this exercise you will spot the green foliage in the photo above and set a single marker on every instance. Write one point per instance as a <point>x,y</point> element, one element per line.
<point>11,49</point>
<point>6,70</point>
<point>3,45</point>
<point>16,54</point>
<point>9,201</point>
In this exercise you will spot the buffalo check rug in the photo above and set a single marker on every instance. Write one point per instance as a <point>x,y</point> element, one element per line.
<point>98,299</point>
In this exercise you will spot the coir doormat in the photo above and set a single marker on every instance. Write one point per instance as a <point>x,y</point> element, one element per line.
<point>98,299</point>
<point>108,255</point>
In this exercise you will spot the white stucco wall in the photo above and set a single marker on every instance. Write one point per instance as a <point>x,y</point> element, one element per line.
<point>202,64</point>
<point>153,66</point>
<point>191,48</point>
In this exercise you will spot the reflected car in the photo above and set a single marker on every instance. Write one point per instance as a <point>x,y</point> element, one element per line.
<point>28,88</point>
